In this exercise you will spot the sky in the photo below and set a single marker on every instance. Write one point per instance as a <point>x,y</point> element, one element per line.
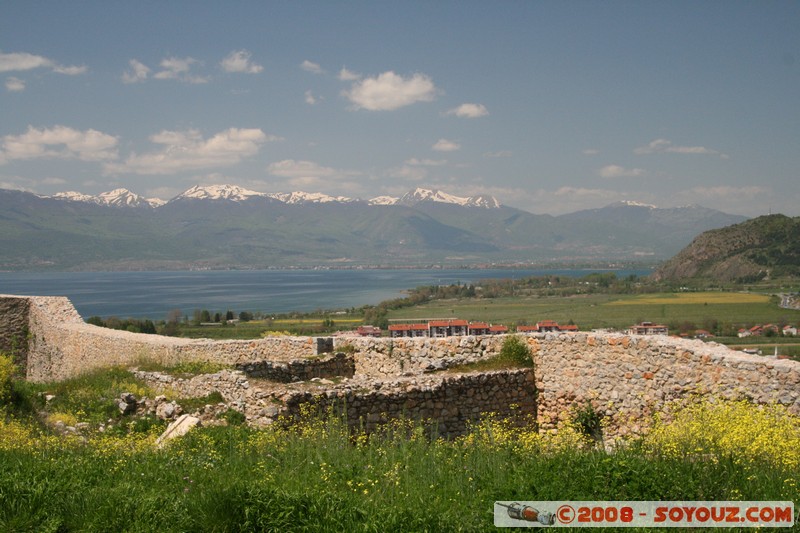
<point>550,106</point>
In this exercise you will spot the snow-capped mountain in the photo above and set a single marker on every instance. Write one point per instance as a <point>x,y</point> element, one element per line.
<point>299,197</point>
<point>419,195</point>
<point>124,197</point>
<point>632,203</point>
<point>228,226</point>
<point>383,200</point>
<point>115,198</point>
<point>219,192</point>
<point>74,196</point>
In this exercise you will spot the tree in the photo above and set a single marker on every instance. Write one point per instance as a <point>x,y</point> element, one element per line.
<point>96,321</point>
<point>174,316</point>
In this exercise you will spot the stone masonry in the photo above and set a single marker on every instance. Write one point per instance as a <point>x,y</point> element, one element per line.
<point>626,378</point>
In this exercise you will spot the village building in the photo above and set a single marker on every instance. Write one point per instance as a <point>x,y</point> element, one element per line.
<point>369,331</point>
<point>408,330</point>
<point>702,334</point>
<point>648,328</point>
<point>547,325</point>
<point>447,328</point>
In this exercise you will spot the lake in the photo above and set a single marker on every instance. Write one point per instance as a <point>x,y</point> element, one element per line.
<point>154,294</point>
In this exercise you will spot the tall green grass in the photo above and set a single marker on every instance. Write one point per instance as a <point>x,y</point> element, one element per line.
<point>319,476</point>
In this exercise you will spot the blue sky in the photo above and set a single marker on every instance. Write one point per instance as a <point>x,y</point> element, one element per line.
<point>551,107</point>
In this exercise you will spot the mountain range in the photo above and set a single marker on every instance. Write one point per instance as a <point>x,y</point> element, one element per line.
<point>226,226</point>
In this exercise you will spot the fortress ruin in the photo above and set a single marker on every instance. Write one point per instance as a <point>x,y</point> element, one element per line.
<point>625,377</point>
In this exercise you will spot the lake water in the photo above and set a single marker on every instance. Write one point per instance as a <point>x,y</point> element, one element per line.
<point>154,294</point>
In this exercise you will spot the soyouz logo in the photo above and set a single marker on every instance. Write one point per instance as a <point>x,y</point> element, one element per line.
<point>643,514</point>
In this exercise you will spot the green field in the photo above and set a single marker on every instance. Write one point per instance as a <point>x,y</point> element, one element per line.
<point>611,311</point>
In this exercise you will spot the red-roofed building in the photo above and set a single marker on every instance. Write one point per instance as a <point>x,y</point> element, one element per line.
<point>408,330</point>
<point>497,329</point>
<point>478,328</point>
<point>547,325</point>
<point>447,328</point>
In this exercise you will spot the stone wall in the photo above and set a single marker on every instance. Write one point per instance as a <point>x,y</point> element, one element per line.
<point>14,329</point>
<point>445,402</point>
<point>625,378</point>
<point>338,365</point>
<point>382,358</point>
<point>60,344</point>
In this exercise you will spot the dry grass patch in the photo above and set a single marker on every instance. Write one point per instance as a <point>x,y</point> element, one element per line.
<point>693,298</point>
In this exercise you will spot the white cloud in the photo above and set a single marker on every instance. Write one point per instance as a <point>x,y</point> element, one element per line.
<point>499,153</point>
<point>409,173</point>
<point>290,168</point>
<point>54,181</point>
<point>20,61</point>
<point>138,72</point>
<point>313,177</point>
<point>188,150</point>
<point>616,171</point>
<point>752,200</point>
<point>59,142</point>
<point>310,66</point>
<point>443,145</point>
<point>14,84</point>
<point>565,199</point>
<point>348,75</point>
<point>388,91</point>
<point>664,146</point>
<point>176,68</point>
<point>469,111</point>
<point>591,152</point>
<point>71,70</point>
<point>240,61</point>
<point>426,162</point>
<point>310,98</point>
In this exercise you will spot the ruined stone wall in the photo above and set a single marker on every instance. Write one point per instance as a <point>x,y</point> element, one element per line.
<point>14,318</point>
<point>625,378</point>
<point>338,365</point>
<point>381,358</point>
<point>61,345</point>
<point>446,402</point>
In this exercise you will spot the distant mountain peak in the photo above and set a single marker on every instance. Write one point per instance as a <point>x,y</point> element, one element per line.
<point>74,196</point>
<point>384,200</point>
<point>122,197</point>
<point>219,192</point>
<point>420,194</point>
<point>115,198</point>
<point>632,203</point>
<point>300,197</point>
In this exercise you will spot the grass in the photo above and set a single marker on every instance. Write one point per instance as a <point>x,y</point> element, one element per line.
<point>610,311</point>
<point>256,328</point>
<point>318,476</point>
<point>694,298</point>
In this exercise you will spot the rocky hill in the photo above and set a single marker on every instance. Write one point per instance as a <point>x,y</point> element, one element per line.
<point>767,246</point>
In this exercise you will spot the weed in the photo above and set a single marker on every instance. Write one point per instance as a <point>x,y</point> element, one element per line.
<point>589,421</point>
